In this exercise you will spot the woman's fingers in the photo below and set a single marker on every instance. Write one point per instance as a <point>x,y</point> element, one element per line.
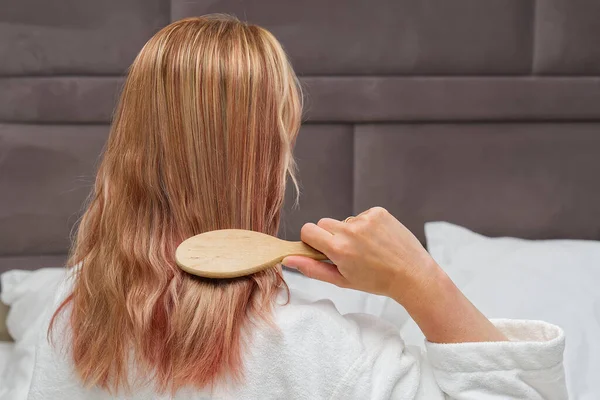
<point>316,237</point>
<point>331,225</point>
<point>316,270</point>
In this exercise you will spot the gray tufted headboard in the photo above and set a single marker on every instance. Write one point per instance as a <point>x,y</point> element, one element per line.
<point>485,113</point>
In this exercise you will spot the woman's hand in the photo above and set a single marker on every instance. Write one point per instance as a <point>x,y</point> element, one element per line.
<point>372,252</point>
<point>375,253</point>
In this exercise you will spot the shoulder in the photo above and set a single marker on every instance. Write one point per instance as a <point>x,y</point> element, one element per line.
<point>309,329</point>
<point>308,320</point>
<point>314,335</point>
<point>343,356</point>
<point>311,317</point>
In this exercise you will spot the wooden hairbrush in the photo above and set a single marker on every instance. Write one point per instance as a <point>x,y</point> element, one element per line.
<point>231,253</point>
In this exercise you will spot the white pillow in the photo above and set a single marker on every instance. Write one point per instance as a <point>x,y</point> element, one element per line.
<point>552,280</point>
<point>29,295</point>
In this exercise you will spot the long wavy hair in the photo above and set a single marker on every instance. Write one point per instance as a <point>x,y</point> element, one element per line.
<point>201,140</point>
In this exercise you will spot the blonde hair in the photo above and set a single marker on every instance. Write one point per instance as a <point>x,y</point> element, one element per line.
<point>201,140</point>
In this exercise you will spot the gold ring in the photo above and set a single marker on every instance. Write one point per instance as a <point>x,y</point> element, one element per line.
<point>348,219</point>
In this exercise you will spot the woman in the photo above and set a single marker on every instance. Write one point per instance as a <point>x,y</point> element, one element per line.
<point>202,140</point>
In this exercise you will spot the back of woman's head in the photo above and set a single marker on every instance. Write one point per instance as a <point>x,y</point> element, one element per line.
<point>201,140</point>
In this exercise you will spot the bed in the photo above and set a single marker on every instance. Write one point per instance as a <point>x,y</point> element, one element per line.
<point>485,114</point>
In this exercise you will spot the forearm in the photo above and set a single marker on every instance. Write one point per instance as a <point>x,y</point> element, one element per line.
<point>442,311</point>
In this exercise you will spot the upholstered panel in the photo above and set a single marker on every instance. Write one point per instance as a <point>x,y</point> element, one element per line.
<point>566,37</point>
<point>357,37</point>
<point>337,99</point>
<point>324,154</point>
<point>46,173</point>
<point>369,99</point>
<point>525,180</point>
<point>40,37</point>
<point>59,99</point>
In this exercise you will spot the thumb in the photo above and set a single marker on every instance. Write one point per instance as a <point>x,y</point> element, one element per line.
<point>314,269</point>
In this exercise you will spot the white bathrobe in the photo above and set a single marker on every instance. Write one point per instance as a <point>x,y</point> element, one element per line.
<point>320,354</point>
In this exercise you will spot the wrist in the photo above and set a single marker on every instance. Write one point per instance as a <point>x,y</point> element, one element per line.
<point>420,284</point>
<point>442,311</point>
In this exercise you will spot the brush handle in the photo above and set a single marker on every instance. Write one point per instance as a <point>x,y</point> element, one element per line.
<point>302,249</point>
